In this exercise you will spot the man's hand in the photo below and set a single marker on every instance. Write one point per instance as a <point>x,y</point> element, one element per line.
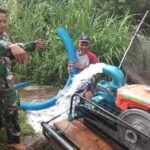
<point>70,69</point>
<point>74,64</point>
<point>19,54</point>
<point>78,65</point>
<point>40,43</point>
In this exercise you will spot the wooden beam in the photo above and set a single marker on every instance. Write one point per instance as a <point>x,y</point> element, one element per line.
<point>81,136</point>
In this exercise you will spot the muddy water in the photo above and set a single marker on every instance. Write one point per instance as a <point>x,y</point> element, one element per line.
<point>36,93</point>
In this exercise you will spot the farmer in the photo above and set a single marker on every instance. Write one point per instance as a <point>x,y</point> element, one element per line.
<point>8,98</point>
<point>85,58</point>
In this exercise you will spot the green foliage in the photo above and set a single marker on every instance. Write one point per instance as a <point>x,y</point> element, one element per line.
<point>32,19</point>
<point>26,129</point>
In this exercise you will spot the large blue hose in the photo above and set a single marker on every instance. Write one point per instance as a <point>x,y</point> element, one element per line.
<point>23,84</point>
<point>70,50</point>
<point>39,106</point>
<point>116,74</point>
<point>72,57</point>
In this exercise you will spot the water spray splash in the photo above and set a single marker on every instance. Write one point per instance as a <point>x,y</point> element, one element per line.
<point>63,103</point>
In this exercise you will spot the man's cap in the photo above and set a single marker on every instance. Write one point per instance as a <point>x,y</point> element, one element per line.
<point>84,38</point>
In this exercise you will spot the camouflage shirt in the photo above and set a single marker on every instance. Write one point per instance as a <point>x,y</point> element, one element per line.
<point>7,79</point>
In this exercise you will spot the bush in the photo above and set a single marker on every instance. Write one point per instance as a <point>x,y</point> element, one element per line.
<point>33,19</point>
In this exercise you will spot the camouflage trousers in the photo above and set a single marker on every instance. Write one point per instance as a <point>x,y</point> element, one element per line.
<point>9,114</point>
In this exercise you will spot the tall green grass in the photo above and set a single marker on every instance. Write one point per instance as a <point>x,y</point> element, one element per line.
<point>32,19</point>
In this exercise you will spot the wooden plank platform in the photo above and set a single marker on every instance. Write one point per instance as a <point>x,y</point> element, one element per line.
<point>81,136</point>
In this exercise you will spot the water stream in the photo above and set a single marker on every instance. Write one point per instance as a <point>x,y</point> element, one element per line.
<point>35,117</point>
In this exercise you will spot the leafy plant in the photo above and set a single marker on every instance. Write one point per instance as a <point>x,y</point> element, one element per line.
<point>30,20</point>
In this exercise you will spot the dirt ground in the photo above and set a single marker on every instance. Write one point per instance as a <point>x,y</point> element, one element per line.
<point>36,143</point>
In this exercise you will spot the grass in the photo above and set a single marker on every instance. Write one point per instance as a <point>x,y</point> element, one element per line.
<point>26,129</point>
<point>109,33</point>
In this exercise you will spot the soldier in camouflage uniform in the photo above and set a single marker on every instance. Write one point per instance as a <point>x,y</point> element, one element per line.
<point>8,97</point>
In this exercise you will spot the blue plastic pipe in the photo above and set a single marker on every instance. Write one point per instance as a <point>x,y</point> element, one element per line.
<point>70,50</point>
<point>116,74</point>
<point>23,84</point>
<point>72,57</point>
<point>39,106</point>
